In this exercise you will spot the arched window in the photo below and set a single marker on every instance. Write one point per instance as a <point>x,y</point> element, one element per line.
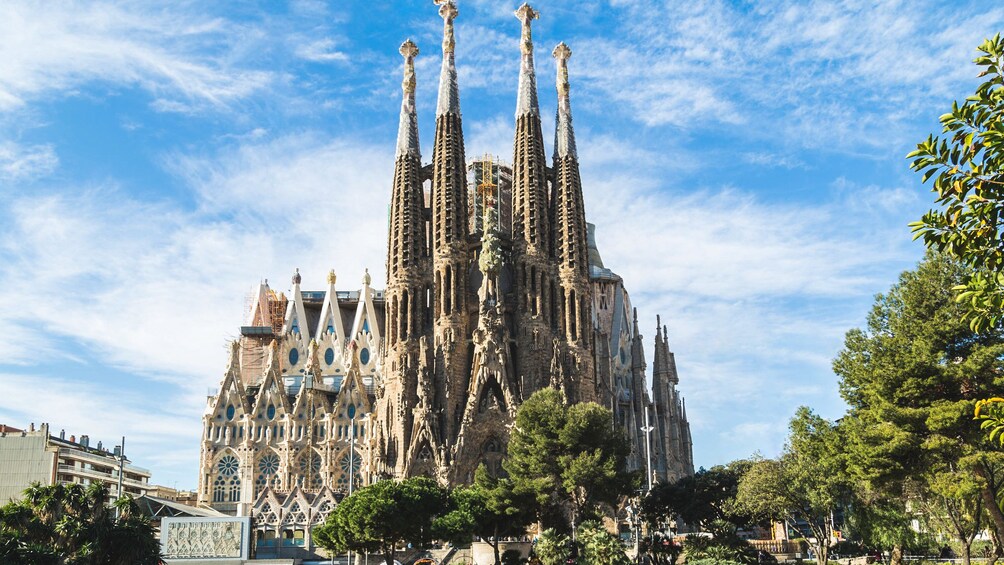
<point>227,486</point>
<point>309,468</point>
<point>268,472</point>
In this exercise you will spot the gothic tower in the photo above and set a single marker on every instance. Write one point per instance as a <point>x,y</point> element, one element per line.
<point>672,453</point>
<point>408,284</point>
<point>537,312</point>
<point>570,245</point>
<point>450,248</point>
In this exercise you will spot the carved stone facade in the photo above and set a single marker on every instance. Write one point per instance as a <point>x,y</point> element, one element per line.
<point>199,539</point>
<point>495,289</point>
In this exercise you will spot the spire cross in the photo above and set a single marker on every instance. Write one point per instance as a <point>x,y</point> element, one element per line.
<point>526,14</point>
<point>448,11</point>
<point>409,51</point>
<point>562,53</point>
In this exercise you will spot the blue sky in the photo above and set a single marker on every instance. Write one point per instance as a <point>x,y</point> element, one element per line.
<point>743,163</point>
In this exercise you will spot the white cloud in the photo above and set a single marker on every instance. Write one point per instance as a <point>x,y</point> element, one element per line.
<point>18,162</point>
<point>55,47</point>
<point>321,51</point>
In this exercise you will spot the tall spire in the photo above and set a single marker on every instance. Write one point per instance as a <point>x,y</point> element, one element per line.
<point>407,130</point>
<point>526,100</point>
<point>451,254</point>
<point>564,135</point>
<point>449,93</point>
<point>406,274</point>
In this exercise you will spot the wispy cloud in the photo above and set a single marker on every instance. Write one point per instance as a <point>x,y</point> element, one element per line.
<point>20,162</point>
<point>167,50</point>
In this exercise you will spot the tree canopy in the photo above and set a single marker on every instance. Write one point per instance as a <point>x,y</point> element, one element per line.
<point>70,524</point>
<point>967,168</point>
<point>380,516</point>
<point>806,483</point>
<point>570,459</point>
<point>911,379</point>
<point>705,499</point>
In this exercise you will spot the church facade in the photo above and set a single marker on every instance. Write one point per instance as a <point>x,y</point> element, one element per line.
<point>495,289</point>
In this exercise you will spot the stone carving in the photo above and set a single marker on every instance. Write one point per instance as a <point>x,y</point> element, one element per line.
<point>203,540</point>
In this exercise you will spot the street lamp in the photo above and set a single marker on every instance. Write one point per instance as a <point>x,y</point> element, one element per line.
<point>648,451</point>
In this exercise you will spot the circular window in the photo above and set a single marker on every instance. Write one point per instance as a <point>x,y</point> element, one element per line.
<point>329,356</point>
<point>294,356</point>
<point>270,411</point>
<point>230,412</point>
<point>364,356</point>
<point>269,464</point>
<point>228,465</point>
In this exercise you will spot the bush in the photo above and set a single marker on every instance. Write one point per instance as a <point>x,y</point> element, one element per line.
<point>726,548</point>
<point>711,561</point>
<point>512,557</point>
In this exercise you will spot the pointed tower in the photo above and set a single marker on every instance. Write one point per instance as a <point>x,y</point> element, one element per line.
<point>638,391</point>
<point>450,250</point>
<point>537,303</point>
<point>672,451</point>
<point>408,274</point>
<point>570,244</point>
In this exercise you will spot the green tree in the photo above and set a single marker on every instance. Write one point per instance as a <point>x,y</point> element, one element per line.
<point>379,517</point>
<point>911,380</point>
<point>600,547</point>
<point>705,499</point>
<point>570,459</point>
<point>69,524</point>
<point>489,508</point>
<point>553,548</point>
<point>807,482</point>
<point>967,168</point>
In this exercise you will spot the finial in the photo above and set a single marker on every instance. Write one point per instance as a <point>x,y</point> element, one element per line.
<point>331,277</point>
<point>407,132</point>
<point>526,14</point>
<point>296,276</point>
<point>367,278</point>
<point>562,53</point>
<point>447,11</point>
<point>449,92</point>
<point>634,314</point>
<point>564,135</point>
<point>658,324</point>
<point>526,97</point>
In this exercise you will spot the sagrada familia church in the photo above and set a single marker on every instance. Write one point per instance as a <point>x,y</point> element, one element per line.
<point>495,289</point>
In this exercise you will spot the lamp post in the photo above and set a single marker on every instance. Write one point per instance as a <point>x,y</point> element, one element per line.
<point>648,452</point>
<point>648,468</point>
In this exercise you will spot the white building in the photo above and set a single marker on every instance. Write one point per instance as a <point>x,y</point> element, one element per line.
<point>34,456</point>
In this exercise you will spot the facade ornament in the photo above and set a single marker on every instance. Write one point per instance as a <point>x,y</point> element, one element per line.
<point>331,277</point>
<point>296,276</point>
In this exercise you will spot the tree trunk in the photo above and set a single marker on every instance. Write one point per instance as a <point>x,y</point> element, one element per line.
<point>989,495</point>
<point>996,549</point>
<point>822,552</point>
<point>495,548</point>
<point>967,550</point>
<point>896,555</point>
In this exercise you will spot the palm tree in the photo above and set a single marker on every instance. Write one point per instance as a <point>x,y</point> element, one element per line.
<point>69,524</point>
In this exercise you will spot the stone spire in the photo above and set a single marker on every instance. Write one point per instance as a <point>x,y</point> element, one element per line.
<point>659,363</point>
<point>564,136</point>
<point>530,214</point>
<point>570,242</point>
<point>407,130</point>
<point>405,270</point>
<point>449,93</point>
<point>451,254</point>
<point>526,98</point>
